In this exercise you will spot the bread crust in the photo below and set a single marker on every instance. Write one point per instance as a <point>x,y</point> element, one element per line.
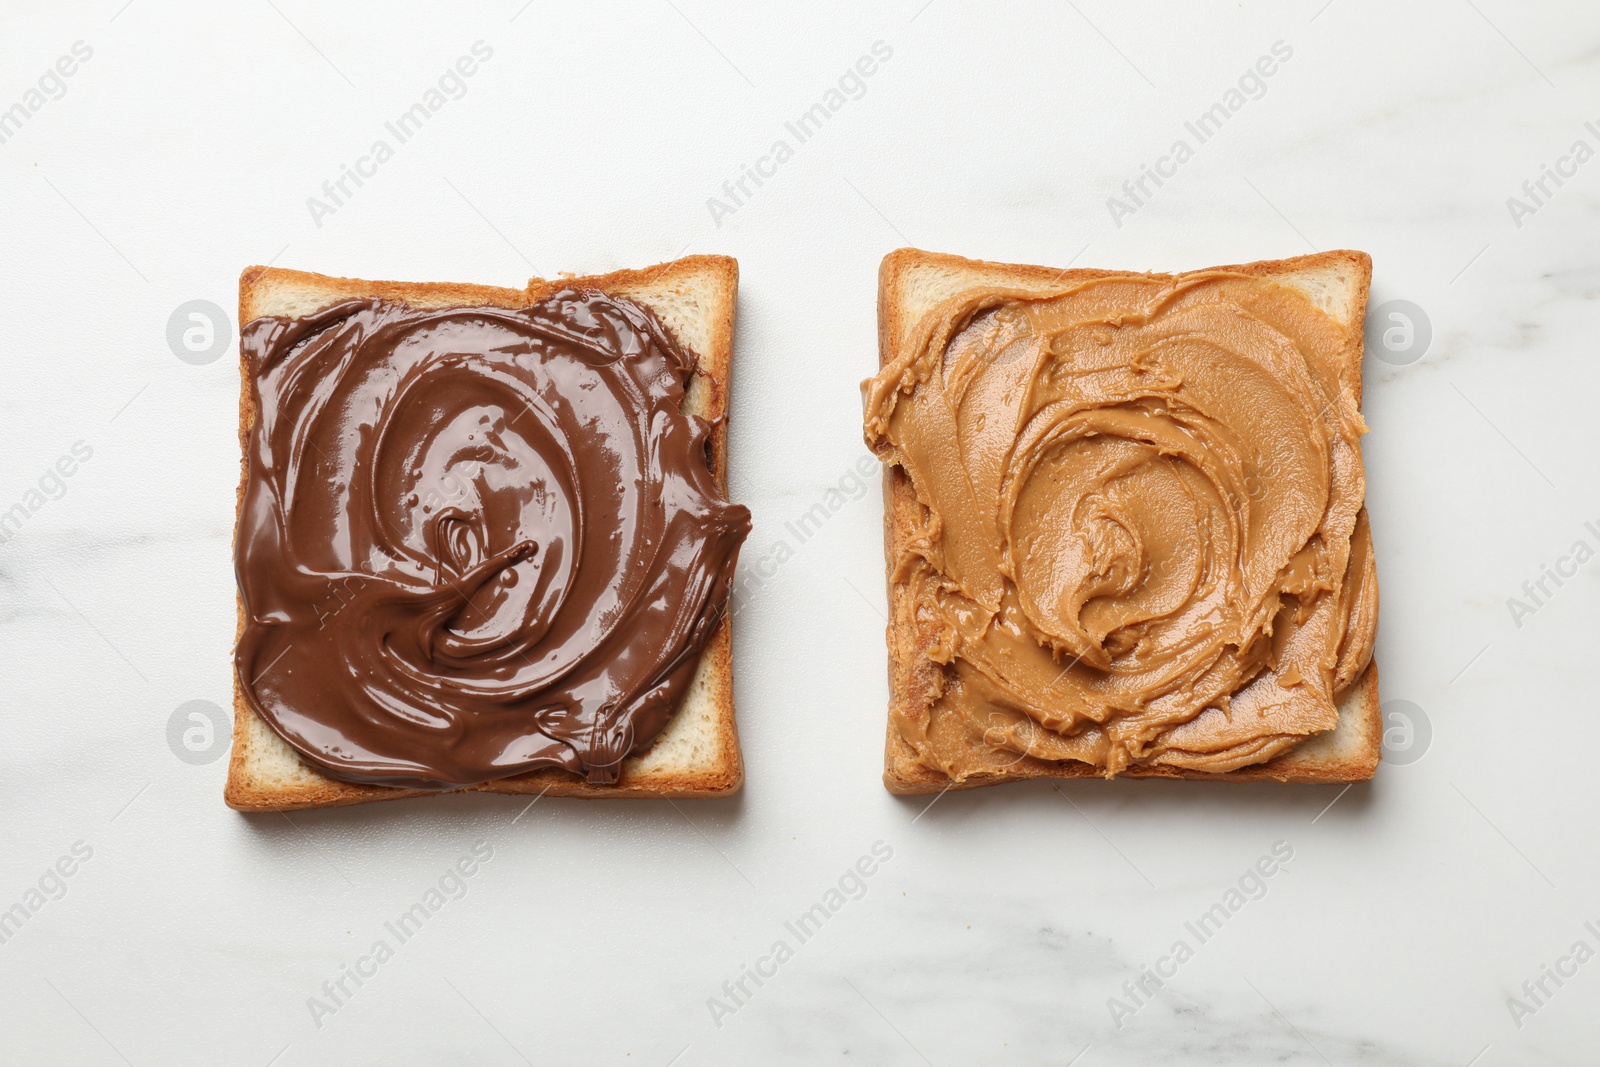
<point>707,396</point>
<point>914,679</point>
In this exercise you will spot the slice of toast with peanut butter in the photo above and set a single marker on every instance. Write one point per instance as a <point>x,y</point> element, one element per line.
<point>697,753</point>
<point>1124,522</point>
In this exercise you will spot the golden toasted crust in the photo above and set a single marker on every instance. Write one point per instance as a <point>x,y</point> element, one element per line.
<point>1348,753</point>
<point>706,286</point>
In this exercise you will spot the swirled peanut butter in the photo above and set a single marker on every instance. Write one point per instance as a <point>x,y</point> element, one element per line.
<point>1140,536</point>
<point>475,541</point>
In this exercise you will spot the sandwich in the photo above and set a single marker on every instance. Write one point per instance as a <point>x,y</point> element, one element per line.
<point>484,540</point>
<point>1125,522</point>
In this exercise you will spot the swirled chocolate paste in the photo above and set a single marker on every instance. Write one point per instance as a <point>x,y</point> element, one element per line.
<point>1142,537</point>
<point>475,541</point>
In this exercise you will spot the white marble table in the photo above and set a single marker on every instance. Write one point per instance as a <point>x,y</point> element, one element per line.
<point>1001,926</point>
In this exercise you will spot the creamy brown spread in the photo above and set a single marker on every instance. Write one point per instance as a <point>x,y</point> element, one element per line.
<point>1140,536</point>
<point>475,541</point>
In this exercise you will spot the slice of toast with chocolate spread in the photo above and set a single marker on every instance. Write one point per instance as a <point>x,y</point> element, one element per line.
<point>697,753</point>
<point>1089,564</point>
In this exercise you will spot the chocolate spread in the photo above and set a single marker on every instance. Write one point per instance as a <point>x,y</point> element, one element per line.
<point>475,541</point>
<point>1141,536</point>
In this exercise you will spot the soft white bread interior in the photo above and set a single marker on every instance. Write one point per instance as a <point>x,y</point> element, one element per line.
<point>697,755</point>
<point>910,284</point>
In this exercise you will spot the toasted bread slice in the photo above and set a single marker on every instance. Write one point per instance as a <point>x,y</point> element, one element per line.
<point>913,282</point>
<point>697,755</point>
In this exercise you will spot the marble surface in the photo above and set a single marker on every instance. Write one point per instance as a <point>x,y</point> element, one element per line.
<point>1010,925</point>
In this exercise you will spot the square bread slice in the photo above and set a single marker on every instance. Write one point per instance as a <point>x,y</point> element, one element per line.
<point>910,283</point>
<point>697,755</point>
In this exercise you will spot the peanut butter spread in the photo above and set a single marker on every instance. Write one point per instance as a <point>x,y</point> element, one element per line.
<point>1141,536</point>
